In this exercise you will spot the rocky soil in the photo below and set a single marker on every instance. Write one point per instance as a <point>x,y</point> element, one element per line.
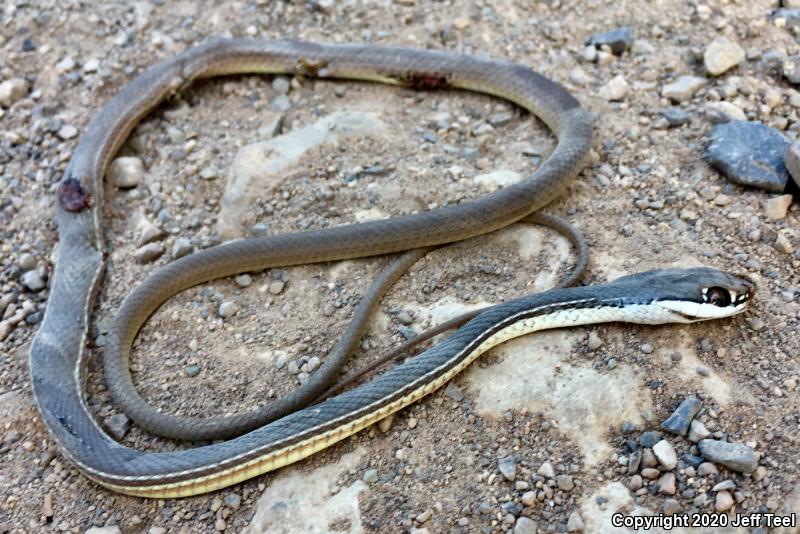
<point>553,432</point>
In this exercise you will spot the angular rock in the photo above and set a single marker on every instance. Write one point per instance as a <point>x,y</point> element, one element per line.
<point>678,422</point>
<point>126,172</point>
<point>666,454</point>
<point>721,55</point>
<point>791,68</point>
<point>675,116</point>
<point>791,158</point>
<point>683,89</point>
<point>33,280</point>
<point>648,439</point>
<point>615,89</point>
<point>619,40</point>
<point>149,252</point>
<point>666,484</point>
<point>575,522</point>
<point>749,153</point>
<point>775,208</point>
<point>698,431</point>
<point>735,456</point>
<point>12,90</point>
<point>508,467</point>
<point>525,525</point>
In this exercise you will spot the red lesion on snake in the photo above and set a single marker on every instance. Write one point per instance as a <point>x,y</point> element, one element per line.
<point>71,195</point>
<point>424,81</point>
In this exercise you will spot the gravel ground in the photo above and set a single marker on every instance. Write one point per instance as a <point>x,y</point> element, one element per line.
<point>454,462</point>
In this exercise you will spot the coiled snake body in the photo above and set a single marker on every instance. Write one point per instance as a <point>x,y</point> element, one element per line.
<point>57,353</point>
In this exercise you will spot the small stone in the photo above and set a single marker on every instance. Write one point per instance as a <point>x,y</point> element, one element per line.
<point>208,173</point>
<point>615,89</point>
<point>720,112</point>
<point>724,485</point>
<point>91,65</point>
<point>650,473</point>
<point>721,55</point>
<point>782,244</point>
<point>370,476</point>
<point>594,341</point>
<point>565,483</point>
<point>508,467</point>
<point>648,439</point>
<point>118,425</point>
<point>148,253</point>
<point>233,500</point>
<point>670,507</point>
<point>385,424</point>
<point>707,468</point>
<point>666,484</point>
<point>546,470</point>
<point>791,68</point>
<point>575,522</point>
<point>243,280</point>
<point>698,431</point>
<point>281,103</point>
<point>675,116</point>
<point>65,65</point>
<point>126,172</point>
<point>723,502</point>
<point>149,233</point>
<point>634,462</point>
<point>182,247</point>
<point>678,422</point>
<point>13,90</point>
<point>749,153</point>
<point>683,89</point>
<point>276,287</point>
<point>454,392</point>
<point>281,85</point>
<point>579,76</point>
<point>501,119</point>
<point>228,309</point>
<point>666,454</point>
<point>635,482</point>
<point>735,456</point>
<point>525,525</point>
<point>192,370</point>
<point>775,208</point>
<point>759,473</point>
<point>33,280</point>
<point>791,158</point>
<point>67,132</point>
<point>618,40</point>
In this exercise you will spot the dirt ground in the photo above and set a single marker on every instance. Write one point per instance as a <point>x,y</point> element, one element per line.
<point>577,401</point>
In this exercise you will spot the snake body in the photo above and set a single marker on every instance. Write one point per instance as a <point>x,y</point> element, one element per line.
<point>57,353</point>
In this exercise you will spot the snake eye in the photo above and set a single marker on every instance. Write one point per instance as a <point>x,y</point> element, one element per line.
<point>718,296</point>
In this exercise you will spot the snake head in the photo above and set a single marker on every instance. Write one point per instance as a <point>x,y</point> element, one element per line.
<point>694,294</point>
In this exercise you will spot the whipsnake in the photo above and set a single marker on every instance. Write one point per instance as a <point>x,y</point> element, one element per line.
<point>58,351</point>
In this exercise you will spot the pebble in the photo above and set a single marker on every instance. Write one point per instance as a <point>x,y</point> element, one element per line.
<point>724,485</point>
<point>594,341</point>
<point>580,77</point>
<point>634,461</point>
<point>33,280</point>
<point>228,309</point>
<point>575,522</point>
<point>148,253</point>
<point>719,112</point>
<point>565,483</point>
<point>675,116</point>
<point>749,153</point>
<point>723,501</point>
<point>67,132</point>
<point>546,470</point>
<point>454,392</point>
<point>370,476</point>
<point>13,90</point>
<point>650,473</point>
<point>243,280</point>
<point>782,244</point>
<point>707,468</point>
<point>208,173</point>
<point>233,500</point>
<point>192,370</point>
<point>683,89</point>
<point>615,89</point>
<point>508,467</point>
<point>501,119</point>
<point>281,103</point>
<point>281,85</point>
<point>666,484</point>
<point>525,525</point>
<point>118,425</point>
<point>618,40</point>
<point>276,287</point>
<point>735,456</point>
<point>666,454</point>
<point>181,247</point>
<point>678,422</point>
<point>149,233</point>
<point>670,507</point>
<point>791,158</point>
<point>126,172</point>
<point>775,208</point>
<point>698,431</point>
<point>721,55</point>
<point>114,529</point>
<point>648,439</point>
<point>790,67</point>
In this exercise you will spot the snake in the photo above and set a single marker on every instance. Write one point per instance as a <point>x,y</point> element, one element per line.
<point>58,355</point>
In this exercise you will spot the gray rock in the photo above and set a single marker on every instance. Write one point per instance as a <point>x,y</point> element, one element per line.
<point>33,280</point>
<point>281,85</point>
<point>281,103</point>
<point>619,40</point>
<point>678,423</point>
<point>370,476</point>
<point>698,431</point>
<point>193,370</point>
<point>508,467</point>
<point>719,112</point>
<point>182,247</point>
<point>454,392</point>
<point>118,425</point>
<point>666,454</point>
<point>735,456</point>
<point>228,309</point>
<point>683,89</point>
<point>525,525</point>
<point>615,89</point>
<point>666,484</point>
<point>243,280</point>
<point>749,153</point>
<point>675,116</point>
<point>149,252</point>
<point>67,132</point>
<point>126,172</point>
<point>790,67</point>
<point>649,439</point>
<point>791,158</point>
<point>565,483</point>
<point>575,522</point>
